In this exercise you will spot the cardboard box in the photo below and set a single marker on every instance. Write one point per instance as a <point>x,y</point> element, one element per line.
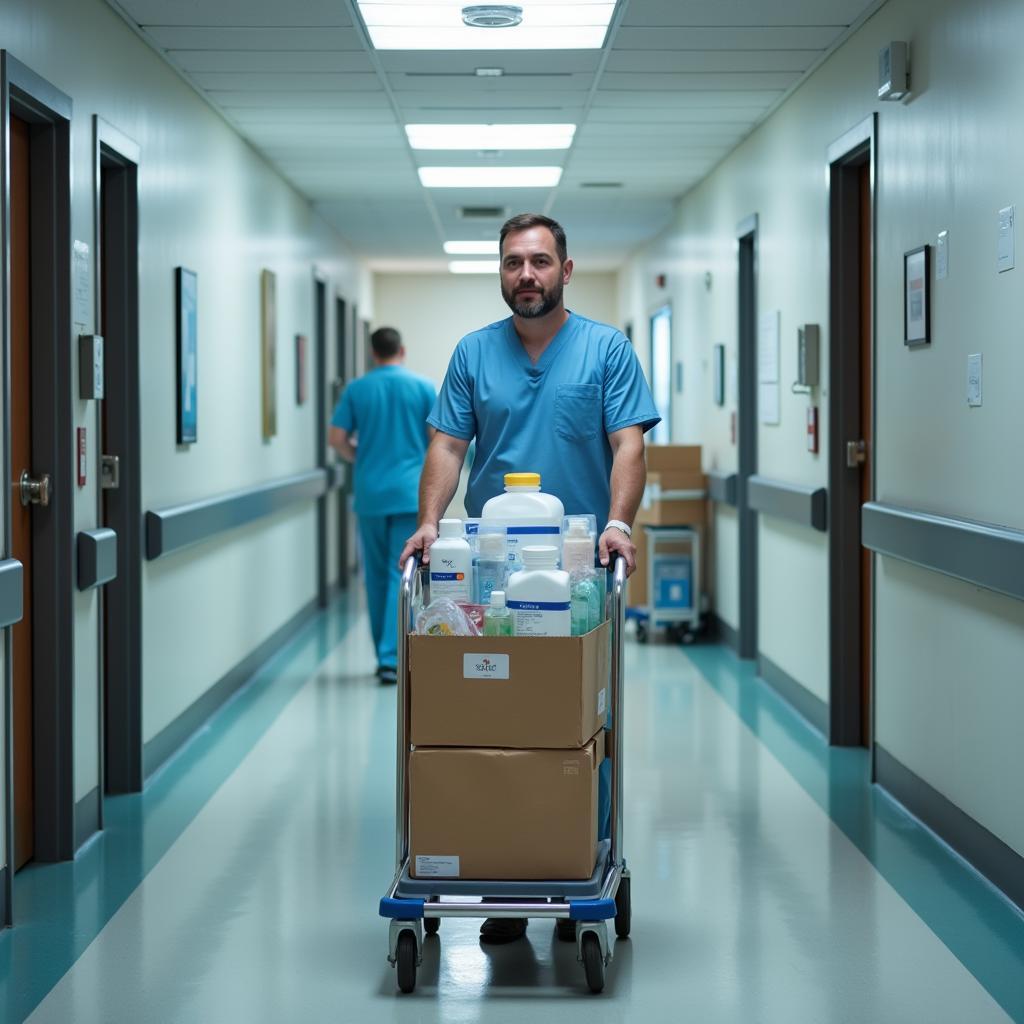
<point>518,692</point>
<point>661,457</point>
<point>504,814</point>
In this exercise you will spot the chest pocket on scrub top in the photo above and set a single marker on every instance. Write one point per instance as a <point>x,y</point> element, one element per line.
<point>578,411</point>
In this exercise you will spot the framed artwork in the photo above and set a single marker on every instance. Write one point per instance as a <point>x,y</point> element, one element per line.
<point>185,285</point>
<point>917,326</point>
<point>268,350</point>
<point>301,355</point>
<point>718,372</point>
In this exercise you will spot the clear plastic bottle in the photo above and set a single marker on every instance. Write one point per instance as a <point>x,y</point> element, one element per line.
<point>451,563</point>
<point>497,618</point>
<point>491,565</point>
<point>529,515</point>
<point>539,595</point>
<point>587,605</point>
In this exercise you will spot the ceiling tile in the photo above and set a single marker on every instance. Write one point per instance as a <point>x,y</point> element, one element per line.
<point>659,61</point>
<point>283,38</point>
<point>285,81</point>
<point>318,13</point>
<point>744,12</point>
<point>789,38</point>
<point>264,61</point>
<point>688,81</point>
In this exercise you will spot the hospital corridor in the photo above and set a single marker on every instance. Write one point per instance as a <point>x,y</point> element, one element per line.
<point>512,512</point>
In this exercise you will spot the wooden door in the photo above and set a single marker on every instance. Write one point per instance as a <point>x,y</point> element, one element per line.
<point>21,516</point>
<point>866,432</point>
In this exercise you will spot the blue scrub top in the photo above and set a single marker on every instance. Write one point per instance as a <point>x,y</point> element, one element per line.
<point>388,410</point>
<point>553,418</point>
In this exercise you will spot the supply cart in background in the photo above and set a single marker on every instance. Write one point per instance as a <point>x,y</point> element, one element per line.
<point>673,584</point>
<point>416,906</point>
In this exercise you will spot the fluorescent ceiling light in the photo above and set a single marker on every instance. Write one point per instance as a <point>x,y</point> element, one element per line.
<point>472,248</point>
<point>473,266</point>
<point>437,25</point>
<point>490,136</point>
<point>490,177</point>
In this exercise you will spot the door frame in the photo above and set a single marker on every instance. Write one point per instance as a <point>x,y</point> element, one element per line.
<point>120,710</point>
<point>320,293</point>
<point>342,334</point>
<point>746,414</point>
<point>845,157</point>
<point>26,95</point>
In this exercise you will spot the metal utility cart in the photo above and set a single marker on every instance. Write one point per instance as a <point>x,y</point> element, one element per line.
<point>416,906</point>
<point>673,583</point>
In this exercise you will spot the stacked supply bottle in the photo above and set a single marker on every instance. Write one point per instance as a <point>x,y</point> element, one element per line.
<point>587,595</point>
<point>529,516</point>
<point>539,596</point>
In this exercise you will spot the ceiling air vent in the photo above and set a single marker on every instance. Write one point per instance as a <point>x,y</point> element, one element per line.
<point>482,212</point>
<point>600,184</point>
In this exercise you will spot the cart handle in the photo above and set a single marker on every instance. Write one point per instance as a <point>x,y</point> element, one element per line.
<point>402,745</point>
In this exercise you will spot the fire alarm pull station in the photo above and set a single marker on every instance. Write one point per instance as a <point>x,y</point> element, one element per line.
<point>81,456</point>
<point>812,429</point>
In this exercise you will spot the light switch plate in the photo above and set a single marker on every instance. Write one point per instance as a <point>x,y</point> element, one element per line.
<point>1004,251</point>
<point>974,379</point>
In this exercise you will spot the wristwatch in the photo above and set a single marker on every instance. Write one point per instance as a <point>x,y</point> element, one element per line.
<point>619,525</point>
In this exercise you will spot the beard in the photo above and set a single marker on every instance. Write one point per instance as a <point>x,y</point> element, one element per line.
<point>541,306</point>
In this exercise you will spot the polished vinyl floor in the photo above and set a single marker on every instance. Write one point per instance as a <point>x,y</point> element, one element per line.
<point>770,883</point>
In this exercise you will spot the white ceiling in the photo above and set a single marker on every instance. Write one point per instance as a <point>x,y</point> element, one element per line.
<point>678,84</point>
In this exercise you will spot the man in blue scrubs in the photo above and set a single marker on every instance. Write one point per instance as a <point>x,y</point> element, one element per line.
<point>545,391</point>
<point>380,425</point>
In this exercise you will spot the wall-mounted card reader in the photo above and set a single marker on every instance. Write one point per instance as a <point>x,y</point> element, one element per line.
<point>807,358</point>
<point>90,366</point>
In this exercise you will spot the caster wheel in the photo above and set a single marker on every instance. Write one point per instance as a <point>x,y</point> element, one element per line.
<point>623,910</point>
<point>593,962</point>
<point>431,925</point>
<point>688,638</point>
<point>405,961</point>
<point>641,634</point>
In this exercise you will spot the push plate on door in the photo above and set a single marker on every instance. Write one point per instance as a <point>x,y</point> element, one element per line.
<point>110,472</point>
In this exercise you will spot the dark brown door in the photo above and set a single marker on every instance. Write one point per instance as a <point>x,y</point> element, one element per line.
<point>866,427</point>
<point>21,517</point>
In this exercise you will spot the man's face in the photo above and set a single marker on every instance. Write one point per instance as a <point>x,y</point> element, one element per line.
<point>532,277</point>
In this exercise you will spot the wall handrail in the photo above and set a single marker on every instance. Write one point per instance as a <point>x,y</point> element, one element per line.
<point>176,527</point>
<point>722,487</point>
<point>984,554</point>
<point>799,503</point>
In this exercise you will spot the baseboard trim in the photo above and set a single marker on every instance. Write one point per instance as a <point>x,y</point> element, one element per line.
<point>813,708</point>
<point>1001,865</point>
<point>87,816</point>
<point>173,736</point>
<point>728,635</point>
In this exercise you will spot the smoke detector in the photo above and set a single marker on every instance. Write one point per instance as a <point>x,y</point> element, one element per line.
<point>492,15</point>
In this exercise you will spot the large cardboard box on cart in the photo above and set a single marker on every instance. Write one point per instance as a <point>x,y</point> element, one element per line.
<point>516,692</point>
<point>670,468</point>
<point>504,814</point>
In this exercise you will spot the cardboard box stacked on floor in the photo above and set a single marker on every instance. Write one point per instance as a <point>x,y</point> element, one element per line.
<point>507,738</point>
<point>670,468</point>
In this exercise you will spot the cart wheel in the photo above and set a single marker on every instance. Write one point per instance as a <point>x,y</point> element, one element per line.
<point>623,909</point>
<point>593,962</point>
<point>641,633</point>
<point>405,961</point>
<point>688,637</point>
<point>431,925</point>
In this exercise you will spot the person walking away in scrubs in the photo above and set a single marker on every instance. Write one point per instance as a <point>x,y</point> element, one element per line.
<point>547,391</point>
<point>380,425</point>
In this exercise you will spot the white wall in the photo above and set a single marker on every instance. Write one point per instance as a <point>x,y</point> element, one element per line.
<point>210,203</point>
<point>948,656</point>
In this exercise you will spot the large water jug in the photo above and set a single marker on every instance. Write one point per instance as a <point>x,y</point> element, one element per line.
<point>528,514</point>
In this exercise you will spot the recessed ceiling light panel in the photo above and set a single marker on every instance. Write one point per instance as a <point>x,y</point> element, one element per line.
<point>473,266</point>
<point>490,136</point>
<point>482,248</point>
<point>439,25</point>
<point>490,177</point>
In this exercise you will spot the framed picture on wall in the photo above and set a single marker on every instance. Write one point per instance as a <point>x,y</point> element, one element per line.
<point>268,351</point>
<point>300,368</point>
<point>917,327</point>
<point>185,285</point>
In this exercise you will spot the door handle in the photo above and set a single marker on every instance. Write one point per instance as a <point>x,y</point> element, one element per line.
<point>35,492</point>
<point>856,454</point>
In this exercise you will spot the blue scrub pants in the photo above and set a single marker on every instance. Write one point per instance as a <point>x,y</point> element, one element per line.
<point>383,538</point>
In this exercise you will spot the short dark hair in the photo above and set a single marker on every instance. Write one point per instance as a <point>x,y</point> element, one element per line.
<point>523,221</point>
<point>386,342</point>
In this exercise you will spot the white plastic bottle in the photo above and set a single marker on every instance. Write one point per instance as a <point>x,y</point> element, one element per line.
<point>491,566</point>
<point>529,515</point>
<point>451,563</point>
<point>539,596</point>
